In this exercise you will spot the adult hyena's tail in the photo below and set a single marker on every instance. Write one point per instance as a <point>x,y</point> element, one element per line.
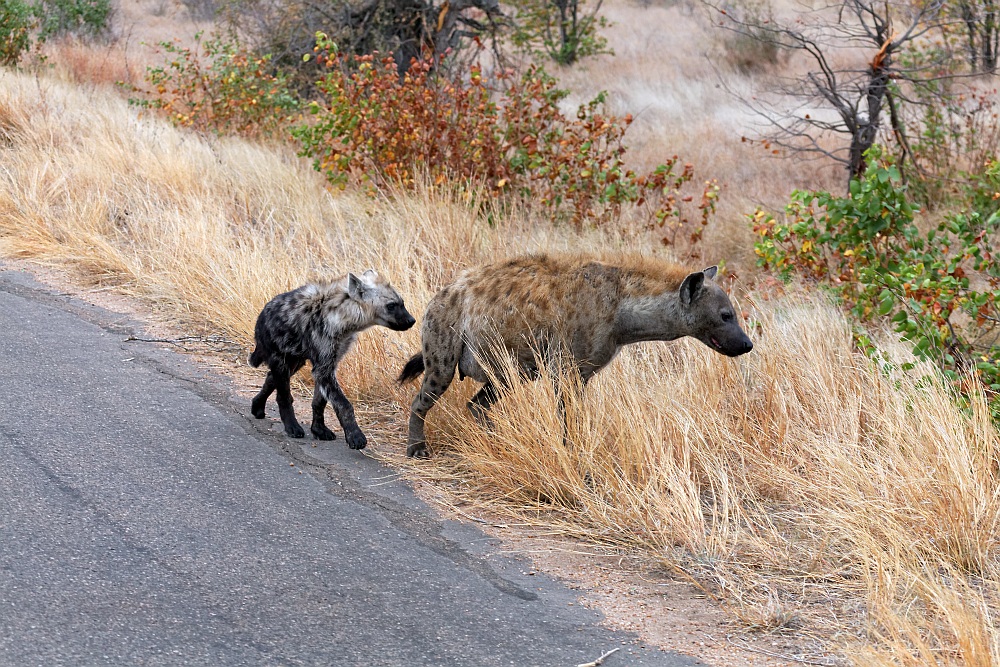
<point>256,358</point>
<point>413,368</point>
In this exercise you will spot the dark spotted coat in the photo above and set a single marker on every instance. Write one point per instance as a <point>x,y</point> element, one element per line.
<point>320,323</point>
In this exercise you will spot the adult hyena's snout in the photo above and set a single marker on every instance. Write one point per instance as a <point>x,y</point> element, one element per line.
<point>730,341</point>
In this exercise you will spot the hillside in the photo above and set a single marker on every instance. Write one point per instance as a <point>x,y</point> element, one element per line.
<point>809,491</point>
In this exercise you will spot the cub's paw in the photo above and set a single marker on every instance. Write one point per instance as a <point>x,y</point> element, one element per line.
<point>321,432</point>
<point>294,431</point>
<point>357,440</point>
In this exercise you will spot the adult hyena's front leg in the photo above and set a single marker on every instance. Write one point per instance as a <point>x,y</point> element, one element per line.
<point>326,382</point>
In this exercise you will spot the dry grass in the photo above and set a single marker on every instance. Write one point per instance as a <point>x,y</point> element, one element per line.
<point>804,488</point>
<point>808,487</point>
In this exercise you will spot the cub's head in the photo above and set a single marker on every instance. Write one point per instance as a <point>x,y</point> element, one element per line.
<point>382,303</point>
<point>710,315</point>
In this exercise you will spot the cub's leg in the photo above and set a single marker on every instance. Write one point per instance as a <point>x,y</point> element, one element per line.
<point>319,428</point>
<point>326,383</point>
<point>260,400</point>
<point>292,427</point>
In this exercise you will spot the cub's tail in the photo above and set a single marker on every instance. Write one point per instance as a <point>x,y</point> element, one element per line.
<point>413,368</point>
<point>256,358</point>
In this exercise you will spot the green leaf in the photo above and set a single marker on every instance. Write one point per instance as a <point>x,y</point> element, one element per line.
<point>886,302</point>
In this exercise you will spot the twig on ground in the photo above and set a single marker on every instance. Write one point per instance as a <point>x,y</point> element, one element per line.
<point>599,661</point>
<point>219,342</point>
<point>477,519</point>
<point>694,582</point>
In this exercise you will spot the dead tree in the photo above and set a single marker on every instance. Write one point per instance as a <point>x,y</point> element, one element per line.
<point>854,74</point>
<point>980,20</point>
<point>406,29</point>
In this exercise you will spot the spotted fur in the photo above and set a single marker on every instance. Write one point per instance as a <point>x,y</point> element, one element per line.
<point>574,304</point>
<point>320,323</point>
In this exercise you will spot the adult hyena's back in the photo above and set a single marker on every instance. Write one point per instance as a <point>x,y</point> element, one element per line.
<point>529,304</point>
<point>519,307</point>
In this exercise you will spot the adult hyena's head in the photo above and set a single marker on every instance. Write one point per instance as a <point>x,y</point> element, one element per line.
<point>382,304</point>
<point>710,316</point>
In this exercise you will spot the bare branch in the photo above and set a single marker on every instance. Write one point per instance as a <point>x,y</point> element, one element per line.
<point>856,95</point>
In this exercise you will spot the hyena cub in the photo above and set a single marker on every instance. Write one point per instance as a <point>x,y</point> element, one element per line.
<point>573,306</point>
<point>320,322</point>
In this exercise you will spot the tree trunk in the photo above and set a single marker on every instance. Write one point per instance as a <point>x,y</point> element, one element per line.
<point>867,128</point>
<point>989,36</point>
<point>968,12</point>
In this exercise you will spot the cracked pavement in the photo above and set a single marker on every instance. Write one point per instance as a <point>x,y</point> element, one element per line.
<point>146,520</point>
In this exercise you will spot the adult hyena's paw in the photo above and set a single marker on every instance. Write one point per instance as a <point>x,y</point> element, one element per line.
<point>482,417</point>
<point>321,432</point>
<point>356,440</point>
<point>294,431</point>
<point>418,450</point>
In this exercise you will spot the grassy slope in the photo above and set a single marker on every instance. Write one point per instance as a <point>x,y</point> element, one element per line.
<point>798,481</point>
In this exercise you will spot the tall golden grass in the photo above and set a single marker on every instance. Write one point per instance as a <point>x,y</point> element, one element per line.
<point>802,485</point>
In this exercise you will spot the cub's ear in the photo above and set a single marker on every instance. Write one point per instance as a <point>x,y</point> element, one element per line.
<point>710,272</point>
<point>355,288</point>
<point>691,287</point>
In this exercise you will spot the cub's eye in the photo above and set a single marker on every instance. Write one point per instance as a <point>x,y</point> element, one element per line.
<point>727,316</point>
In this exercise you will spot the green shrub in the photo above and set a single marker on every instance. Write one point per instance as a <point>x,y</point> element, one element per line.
<point>945,125</point>
<point>372,126</point>
<point>15,28</point>
<point>939,290</point>
<point>87,18</point>
<point>224,90</point>
<point>563,30</point>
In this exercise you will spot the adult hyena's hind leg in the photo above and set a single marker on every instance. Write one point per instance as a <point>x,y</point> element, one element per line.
<point>439,371</point>
<point>480,404</point>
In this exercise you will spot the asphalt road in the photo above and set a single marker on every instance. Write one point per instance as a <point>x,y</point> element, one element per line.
<point>146,520</point>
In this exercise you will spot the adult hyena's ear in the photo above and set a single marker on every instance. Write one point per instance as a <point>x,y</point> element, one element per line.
<point>710,272</point>
<point>355,287</point>
<point>369,275</point>
<point>691,287</point>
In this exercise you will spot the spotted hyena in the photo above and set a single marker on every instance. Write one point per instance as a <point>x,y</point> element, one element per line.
<point>319,323</point>
<point>586,309</point>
